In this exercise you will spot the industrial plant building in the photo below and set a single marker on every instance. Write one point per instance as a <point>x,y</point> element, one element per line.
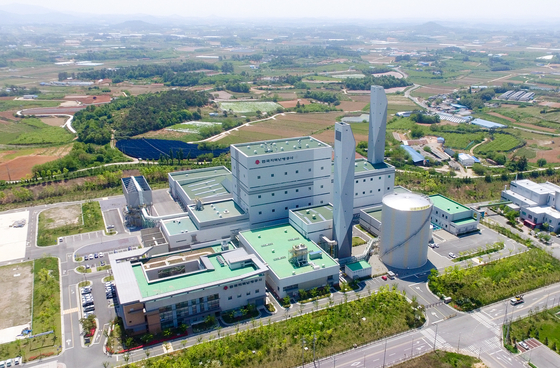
<point>287,206</point>
<point>537,203</point>
<point>453,216</point>
<point>156,292</point>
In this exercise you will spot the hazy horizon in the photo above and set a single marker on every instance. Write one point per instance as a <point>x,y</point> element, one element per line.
<point>499,11</point>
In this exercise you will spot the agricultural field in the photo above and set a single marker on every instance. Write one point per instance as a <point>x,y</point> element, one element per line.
<point>500,143</point>
<point>475,287</point>
<point>249,107</point>
<point>17,164</point>
<point>286,125</point>
<point>192,127</point>
<point>32,131</point>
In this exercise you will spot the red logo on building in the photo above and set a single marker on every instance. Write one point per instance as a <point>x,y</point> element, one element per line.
<point>225,287</point>
<point>257,162</point>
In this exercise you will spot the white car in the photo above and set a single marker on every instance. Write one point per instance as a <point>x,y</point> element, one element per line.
<point>524,345</point>
<point>452,255</point>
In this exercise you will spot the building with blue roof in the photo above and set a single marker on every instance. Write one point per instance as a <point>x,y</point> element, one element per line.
<point>487,124</point>
<point>416,157</point>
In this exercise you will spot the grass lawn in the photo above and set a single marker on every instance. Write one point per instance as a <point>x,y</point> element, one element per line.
<point>440,359</point>
<point>279,345</point>
<point>544,326</point>
<point>25,104</point>
<point>46,314</point>
<point>475,287</point>
<point>93,220</point>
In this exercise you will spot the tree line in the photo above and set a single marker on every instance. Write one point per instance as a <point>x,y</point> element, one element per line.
<point>143,71</point>
<point>386,81</point>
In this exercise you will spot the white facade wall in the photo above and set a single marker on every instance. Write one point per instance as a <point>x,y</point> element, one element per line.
<point>313,231</point>
<point>371,186</point>
<point>358,274</point>
<point>309,280</point>
<point>280,181</point>
<point>244,291</point>
<point>188,239</point>
<point>531,192</point>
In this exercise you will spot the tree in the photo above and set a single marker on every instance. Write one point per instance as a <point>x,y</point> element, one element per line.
<point>541,162</point>
<point>522,163</point>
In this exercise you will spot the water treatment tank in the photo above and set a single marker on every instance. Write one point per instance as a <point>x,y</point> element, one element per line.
<point>405,230</point>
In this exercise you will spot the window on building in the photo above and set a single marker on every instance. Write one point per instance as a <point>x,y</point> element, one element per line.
<point>297,190</point>
<point>356,193</point>
<point>286,208</point>
<point>379,190</point>
<point>259,195</point>
<point>322,167</point>
<point>364,192</point>
<point>297,171</point>
<point>257,291</point>
<point>260,212</point>
<point>356,181</point>
<point>273,210</point>
<point>248,293</point>
<point>309,170</point>
<point>273,194</point>
<point>370,179</point>
<point>285,192</point>
<point>271,175</point>
<point>387,188</point>
<point>239,295</point>
<point>321,201</point>
<point>258,177</point>
<point>389,176</point>
<point>321,187</point>
<point>297,205</point>
<point>285,173</point>
<point>371,191</point>
<point>309,204</point>
<point>364,180</point>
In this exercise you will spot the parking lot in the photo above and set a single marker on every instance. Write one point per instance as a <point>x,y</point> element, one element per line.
<point>467,242</point>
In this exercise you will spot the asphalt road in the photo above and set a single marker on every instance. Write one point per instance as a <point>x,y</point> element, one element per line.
<point>473,333</point>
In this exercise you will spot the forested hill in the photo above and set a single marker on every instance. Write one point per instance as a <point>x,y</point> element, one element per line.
<point>136,115</point>
<point>134,72</point>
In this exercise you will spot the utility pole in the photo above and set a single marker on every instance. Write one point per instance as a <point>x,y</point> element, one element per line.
<point>412,347</point>
<point>384,353</point>
<point>314,341</point>
<point>302,352</point>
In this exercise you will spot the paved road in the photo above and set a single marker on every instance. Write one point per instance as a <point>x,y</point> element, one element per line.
<point>473,333</point>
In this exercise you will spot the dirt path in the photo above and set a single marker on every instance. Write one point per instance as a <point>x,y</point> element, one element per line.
<point>476,145</point>
<point>498,115</point>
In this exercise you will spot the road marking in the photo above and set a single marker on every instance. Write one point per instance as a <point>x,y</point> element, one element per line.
<point>70,311</point>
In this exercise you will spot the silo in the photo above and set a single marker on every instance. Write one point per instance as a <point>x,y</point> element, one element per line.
<point>405,230</point>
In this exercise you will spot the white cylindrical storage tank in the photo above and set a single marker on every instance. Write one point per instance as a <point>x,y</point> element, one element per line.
<point>405,230</point>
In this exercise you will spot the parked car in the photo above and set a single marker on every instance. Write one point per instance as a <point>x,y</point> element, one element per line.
<point>89,308</point>
<point>452,255</point>
<point>384,277</point>
<point>86,290</point>
<point>90,256</point>
<point>17,360</point>
<point>524,345</point>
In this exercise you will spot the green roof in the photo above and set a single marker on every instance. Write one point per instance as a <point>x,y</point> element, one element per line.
<point>315,214</point>
<point>226,209</point>
<point>187,281</point>
<point>356,266</point>
<point>175,226</point>
<point>273,245</point>
<point>446,204</point>
<point>204,187</point>
<point>376,213</point>
<point>464,221</point>
<point>362,165</point>
<point>199,173</point>
<point>279,145</point>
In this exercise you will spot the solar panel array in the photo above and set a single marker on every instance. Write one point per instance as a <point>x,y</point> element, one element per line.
<point>152,149</point>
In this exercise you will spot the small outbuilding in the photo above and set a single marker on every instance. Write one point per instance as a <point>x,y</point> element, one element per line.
<point>358,270</point>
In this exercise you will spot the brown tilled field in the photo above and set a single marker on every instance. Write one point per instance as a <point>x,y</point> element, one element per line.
<point>54,121</point>
<point>352,105</point>
<point>293,103</point>
<point>19,167</point>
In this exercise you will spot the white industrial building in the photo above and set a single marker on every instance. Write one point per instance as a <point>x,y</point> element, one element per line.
<point>466,160</point>
<point>452,216</point>
<point>538,203</point>
<point>278,201</point>
<point>156,292</point>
